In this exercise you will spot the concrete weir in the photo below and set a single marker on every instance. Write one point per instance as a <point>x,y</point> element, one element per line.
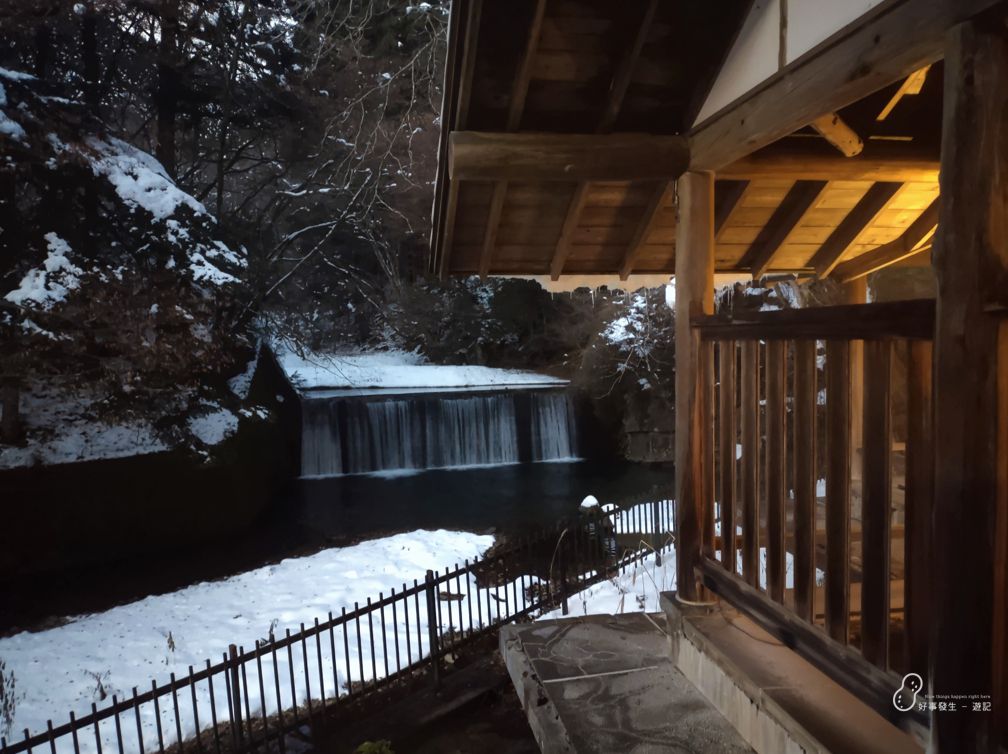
<point>607,684</point>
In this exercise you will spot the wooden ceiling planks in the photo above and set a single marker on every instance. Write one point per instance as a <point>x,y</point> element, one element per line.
<point>583,67</point>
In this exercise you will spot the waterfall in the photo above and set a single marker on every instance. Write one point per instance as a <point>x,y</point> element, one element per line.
<point>554,435</point>
<point>352,434</point>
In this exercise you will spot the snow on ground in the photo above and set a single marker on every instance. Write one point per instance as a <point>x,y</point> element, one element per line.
<point>95,656</point>
<point>396,369</point>
<point>61,428</point>
<point>634,590</point>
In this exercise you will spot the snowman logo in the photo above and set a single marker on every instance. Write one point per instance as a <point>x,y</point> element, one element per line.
<point>906,695</point>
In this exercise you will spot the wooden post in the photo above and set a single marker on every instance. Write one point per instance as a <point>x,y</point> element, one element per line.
<point>971,264</point>
<point>694,277</point>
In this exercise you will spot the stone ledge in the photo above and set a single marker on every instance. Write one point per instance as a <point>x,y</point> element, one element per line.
<point>777,700</point>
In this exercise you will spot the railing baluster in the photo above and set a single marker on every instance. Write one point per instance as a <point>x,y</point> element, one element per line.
<point>118,726</point>
<point>262,695</point>
<point>750,462</point>
<point>370,625</point>
<point>213,710</point>
<point>157,716</point>
<point>175,707</point>
<point>247,721</point>
<point>279,698</point>
<point>384,639</point>
<point>837,488</point>
<point>726,441</point>
<point>332,649</point>
<point>346,654</point>
<point>52,739</point>
<point>290,672</point>
<point>307,674</point>
<point>804,444</point>
<point>318,652</point>
<point>395,631</point>
<point>775,469</point>
<point>918,503</point>
<point>876,505</point>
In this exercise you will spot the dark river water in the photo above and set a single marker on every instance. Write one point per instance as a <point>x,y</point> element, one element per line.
<point>315,513</point>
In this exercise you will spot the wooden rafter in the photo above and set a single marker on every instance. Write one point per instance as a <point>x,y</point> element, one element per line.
<point>519,92</point>
<point>802,166</point>
<point>833,128</point>
<point>860,217</point>
<point>662,195</point>
<point>570,224</point>
<point>726,205</point>
<point>480,156</point>
<point>614,101</point>
<point>624,72</point>
<point>911,85</point>
<point>886,44</point>
<point>785,218</point>
<point>909,244</point>
<point>492,224</point>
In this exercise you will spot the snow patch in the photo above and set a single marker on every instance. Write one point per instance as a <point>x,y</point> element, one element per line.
<point>49,285</point>
<point>396,369</point>
<point>214,427</point>
<point>139,179</point>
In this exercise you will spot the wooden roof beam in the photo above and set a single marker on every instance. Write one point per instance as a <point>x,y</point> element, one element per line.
<point>833,128</point>
<point>786,217</point>
<point>662,195</point>
<point>884,45</point>
<point>860,217</point>
<point>481,156</point>
<point>909,244</point>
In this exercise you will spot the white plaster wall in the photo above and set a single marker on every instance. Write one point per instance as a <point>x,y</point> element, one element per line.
<point>753,58</point>
<point>756,53</point>
<point>813,21</point>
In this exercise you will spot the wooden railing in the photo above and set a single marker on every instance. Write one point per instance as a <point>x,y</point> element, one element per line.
<point>841,583</point>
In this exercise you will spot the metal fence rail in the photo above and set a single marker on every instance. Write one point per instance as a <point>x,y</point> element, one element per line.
<point>252,699</point>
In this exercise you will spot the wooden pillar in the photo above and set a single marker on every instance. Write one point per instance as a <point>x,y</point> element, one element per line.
<point>694,281</point>
<point>970,258</point>
<point>856,292</point>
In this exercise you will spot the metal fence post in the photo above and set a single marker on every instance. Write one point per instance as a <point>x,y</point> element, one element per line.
<point>563,585</point>
<point>657,542</point>
<point>433,629</point>
<point>235,689</point>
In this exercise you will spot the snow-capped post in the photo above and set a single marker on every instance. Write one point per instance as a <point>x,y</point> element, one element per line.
<point>432,626</point>
<point>563,585</point>
<point>235,690</point>
<point>10,419</point>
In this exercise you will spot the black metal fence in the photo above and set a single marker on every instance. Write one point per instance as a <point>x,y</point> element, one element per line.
<point>252,699</point>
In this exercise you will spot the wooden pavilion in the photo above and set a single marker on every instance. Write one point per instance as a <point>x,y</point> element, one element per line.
<point>759,137</point>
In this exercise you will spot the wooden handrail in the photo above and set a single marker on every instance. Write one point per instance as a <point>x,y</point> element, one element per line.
<point>912,319</point>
